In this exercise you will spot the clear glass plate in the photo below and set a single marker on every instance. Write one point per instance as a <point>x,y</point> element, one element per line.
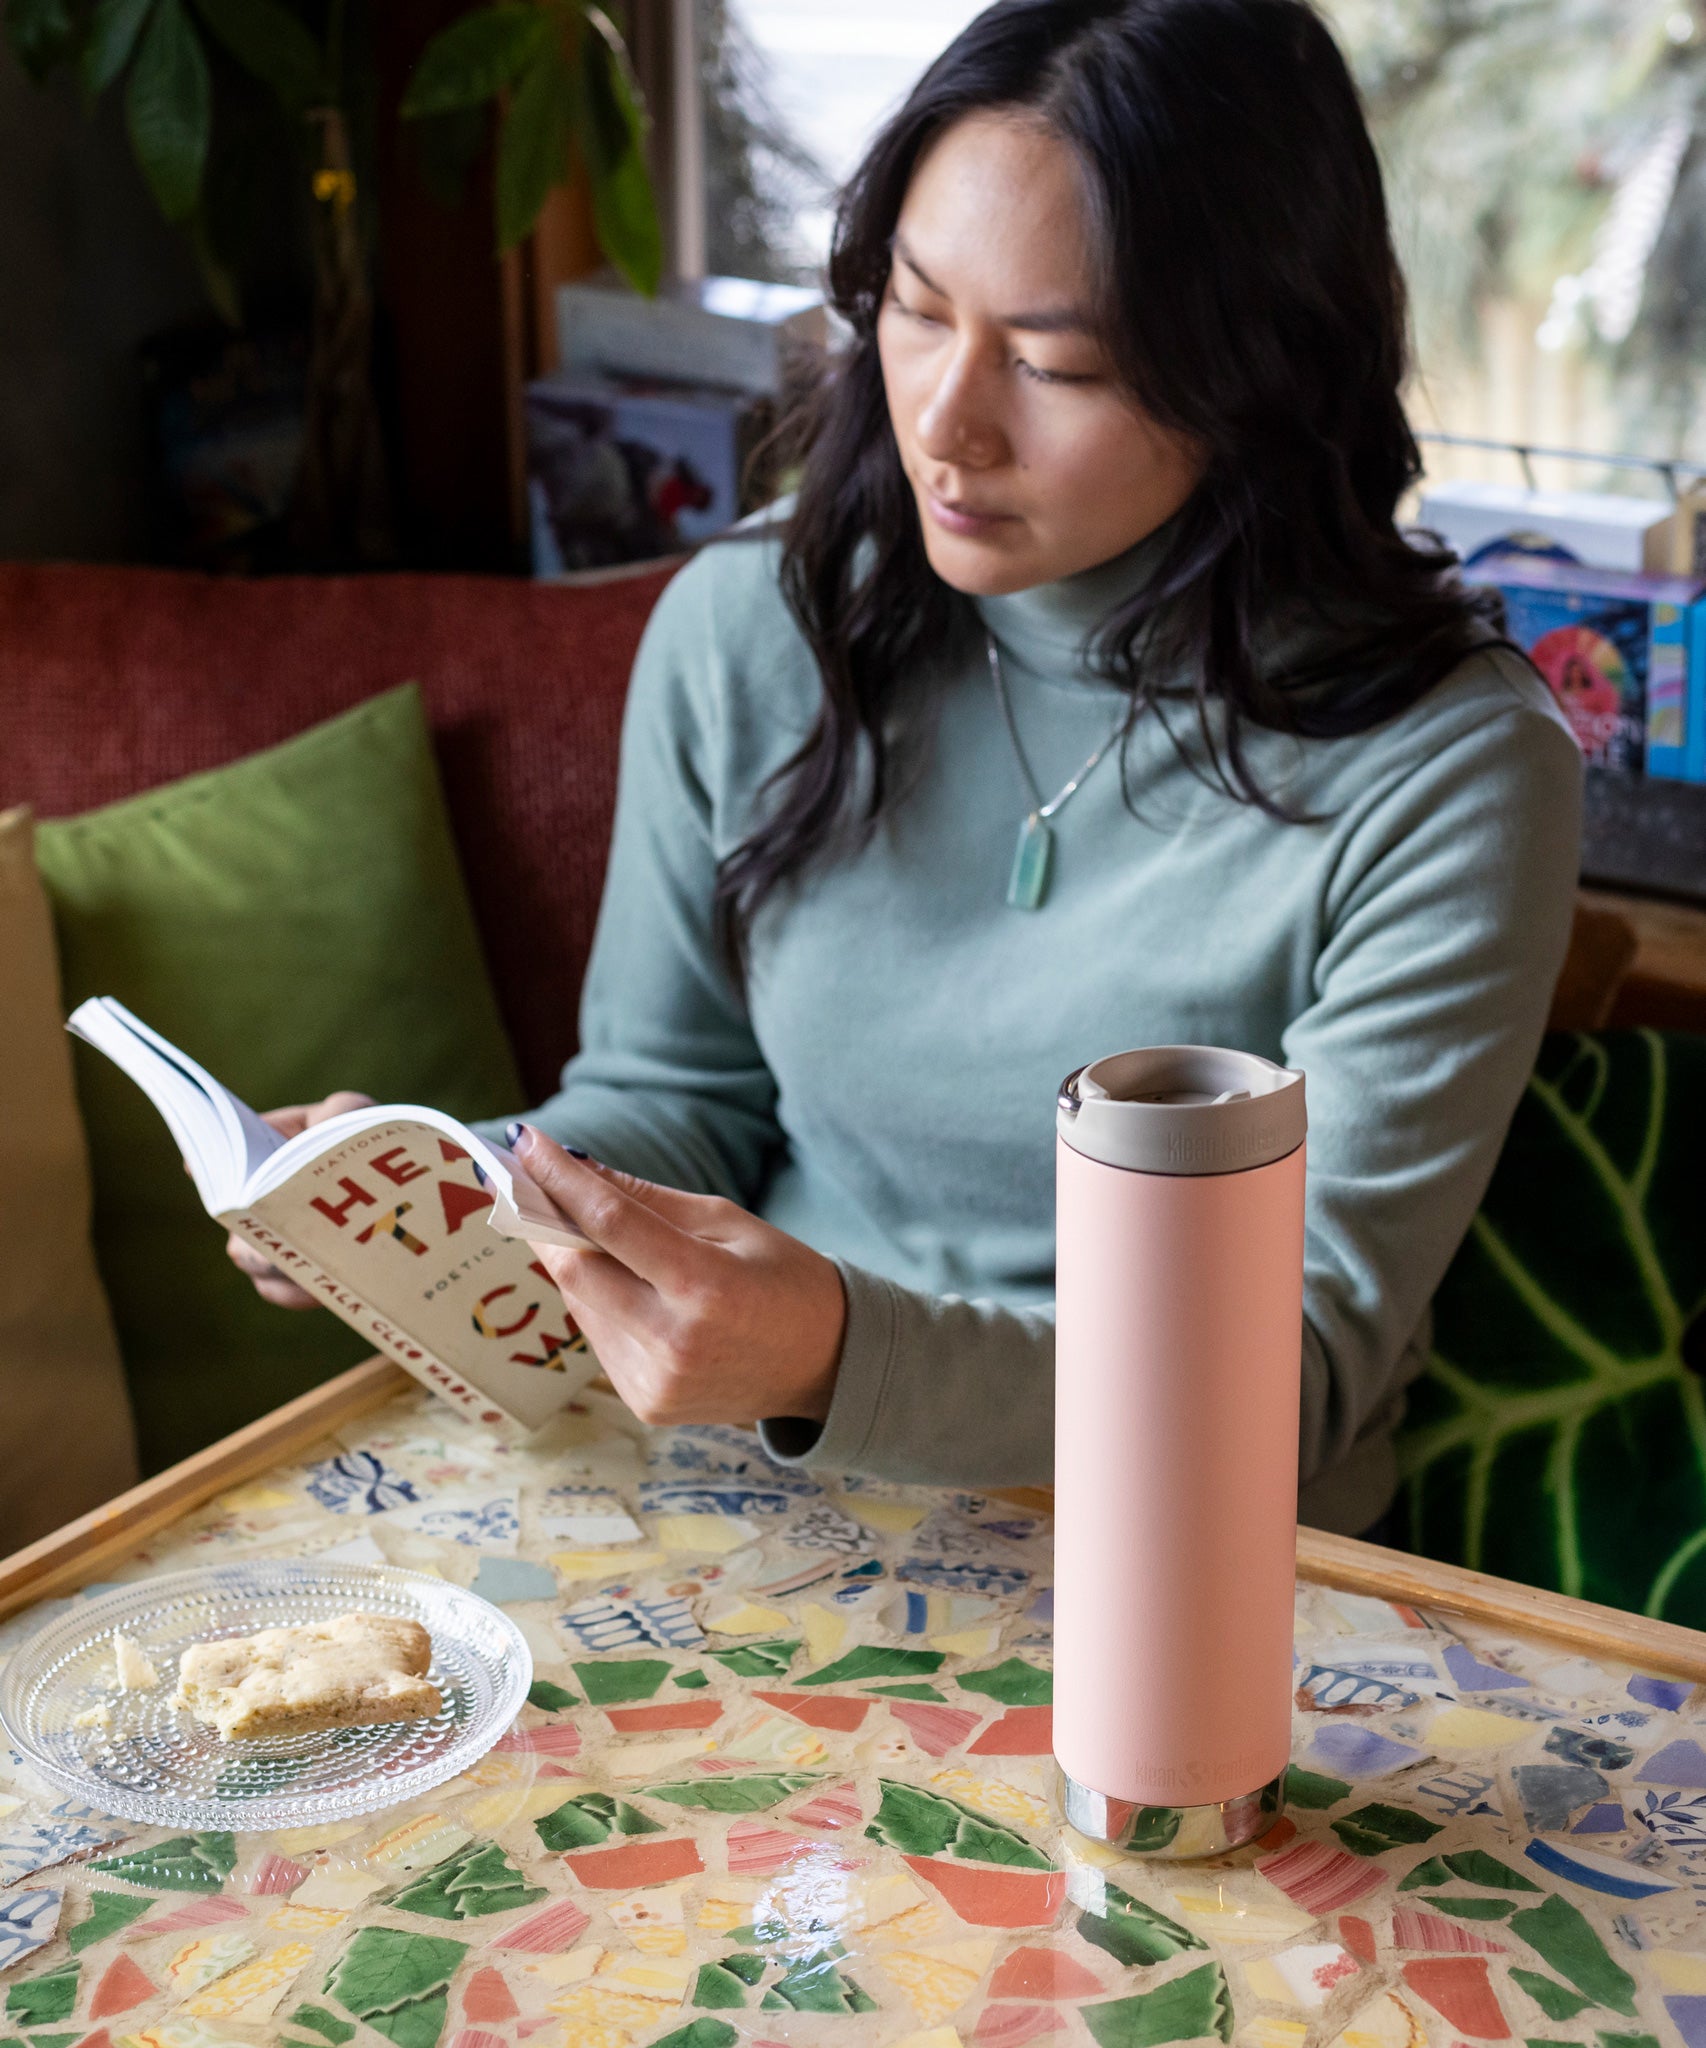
<point>155,1762</point>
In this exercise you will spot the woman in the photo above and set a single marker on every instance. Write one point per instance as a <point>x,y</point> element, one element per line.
<point>1085,697</point>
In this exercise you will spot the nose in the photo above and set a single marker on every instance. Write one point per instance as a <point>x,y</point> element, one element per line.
<point>958,423</point>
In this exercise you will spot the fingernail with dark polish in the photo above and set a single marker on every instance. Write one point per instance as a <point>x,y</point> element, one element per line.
<point>574,1154</point>
<point>512,1133</point>
<point>479,1173</point>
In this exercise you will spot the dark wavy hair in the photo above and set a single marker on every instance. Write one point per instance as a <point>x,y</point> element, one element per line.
<point>1247,291</point>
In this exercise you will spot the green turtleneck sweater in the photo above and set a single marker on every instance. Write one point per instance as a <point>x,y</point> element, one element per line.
<point>886,1090</point>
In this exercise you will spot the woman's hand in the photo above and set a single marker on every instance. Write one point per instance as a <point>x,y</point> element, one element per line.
<point>270,1283</point>
<point>698,1311</point>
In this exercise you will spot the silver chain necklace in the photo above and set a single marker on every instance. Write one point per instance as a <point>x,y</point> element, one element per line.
<point>1033,852</point>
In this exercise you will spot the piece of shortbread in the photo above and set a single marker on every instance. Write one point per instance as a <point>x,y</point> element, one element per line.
<point>345,1673</point>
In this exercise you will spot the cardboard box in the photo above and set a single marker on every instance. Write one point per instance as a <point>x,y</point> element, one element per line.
<point>1605,531</point>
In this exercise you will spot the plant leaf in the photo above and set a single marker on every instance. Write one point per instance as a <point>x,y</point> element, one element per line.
<point>169,109</point>
<point>612,135</point>
<point>113,30</point>
<point>533,142</point>
<point>476,57</point>
<point>272,45</point>
<point>42,34</point>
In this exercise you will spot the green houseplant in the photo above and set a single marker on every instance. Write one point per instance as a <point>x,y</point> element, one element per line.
<point>554,75</point>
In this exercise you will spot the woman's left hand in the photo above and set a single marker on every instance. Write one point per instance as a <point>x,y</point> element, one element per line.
<point>698,1310</point>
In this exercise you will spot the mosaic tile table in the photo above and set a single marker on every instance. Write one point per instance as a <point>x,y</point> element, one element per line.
<point>784,1778</point>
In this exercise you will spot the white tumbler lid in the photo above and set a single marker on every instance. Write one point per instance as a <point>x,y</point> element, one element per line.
<point>1182,1109</point>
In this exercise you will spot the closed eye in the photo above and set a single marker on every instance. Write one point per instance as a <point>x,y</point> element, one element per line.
<point>1051,376</point>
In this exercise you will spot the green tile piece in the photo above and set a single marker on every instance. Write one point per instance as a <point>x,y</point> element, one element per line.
<point>1014,1683</point>
<point>1311,1789</point>
<point>746,1966</point>
<point>1626,2040</point>
<point>38,2001</point>
<point>629,1678</point>
<point>1559,1935</point>
<point>1187,2009</point>
<point>1544,2042</point>
<point>734,1795</point>
<point>872,1660</point>
<point>579,1823</point>
<point>716,1989</point>
<point>691,1681</point>
<point>1372,1830</point>
<point>1472,1909</point>
<point>396,1982</point>
<point>1557,2001</point>
<point>1134,1933</point>
<point>109,1912</point>
<point>551,1699</point>
<point>315,2019</point>
<point>631,1821</point>
<point>1475,1866</point>
<point>1433,1871</point>
<point>758,1660</point>
<point>187,1863</point>
<point>908,1692</point>
<point>920,1823</point>
<point>477,1880</point>
<point>814,1984</point>
<point>700,2034</point>
<point>56,2040</point>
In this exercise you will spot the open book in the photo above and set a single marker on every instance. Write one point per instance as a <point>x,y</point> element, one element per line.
<point>399,1219</point>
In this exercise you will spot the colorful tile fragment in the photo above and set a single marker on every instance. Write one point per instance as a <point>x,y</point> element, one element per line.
<point>1320,1878</point>
<point>358,1483</point>
<point>27,1922</point>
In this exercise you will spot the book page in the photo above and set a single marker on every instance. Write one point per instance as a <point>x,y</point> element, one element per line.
<point>394,1218</point>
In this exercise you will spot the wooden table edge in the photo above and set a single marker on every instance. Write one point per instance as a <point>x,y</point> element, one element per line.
<point>76,1554</point>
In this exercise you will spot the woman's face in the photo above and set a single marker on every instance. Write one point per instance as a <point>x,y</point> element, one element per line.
<point>1028,459</point>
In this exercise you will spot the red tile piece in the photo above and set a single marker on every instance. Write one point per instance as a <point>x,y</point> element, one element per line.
<point>1010,2026</point>
<point>935,1729</point>
<point>671,1714</point>
<point>1457,1989</point>
<point>274,1875</point>
<point>820,1709</point>
<point>1319,1877</point>
<point>1283,1830</point>
<point>634,1864</point>
<point>122,1988</point>
<point>1043,1973</point>
<point>759,1851</point>
<point>99,2039</point>
<point>1358,1936</point>
<point>198,1913</point>
<point>549,1931</point>
<point>563,1738</point>
<point>1021,1731</point>
<point>1416,1927</point>
<point>472,2037</point>
<point>838,1806</point>
<point>487,1997</point>
<point>984,1896</point>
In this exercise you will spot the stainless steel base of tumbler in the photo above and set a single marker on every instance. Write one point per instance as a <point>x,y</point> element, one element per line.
<point>1173,1833</point>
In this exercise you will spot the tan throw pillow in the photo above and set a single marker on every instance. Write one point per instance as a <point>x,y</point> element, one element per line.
<point>66,1442</point>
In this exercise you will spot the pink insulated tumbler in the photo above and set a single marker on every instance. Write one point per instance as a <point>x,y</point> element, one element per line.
<point>1179,1318</point>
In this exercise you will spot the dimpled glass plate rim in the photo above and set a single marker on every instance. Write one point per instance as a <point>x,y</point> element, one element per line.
<point>154,1762</point>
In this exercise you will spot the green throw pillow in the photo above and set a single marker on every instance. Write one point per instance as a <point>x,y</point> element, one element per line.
<point>297,922</point>
<point>1559,1434</point>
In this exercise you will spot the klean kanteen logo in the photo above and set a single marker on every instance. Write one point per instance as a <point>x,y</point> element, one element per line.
<point>1222,1148</point>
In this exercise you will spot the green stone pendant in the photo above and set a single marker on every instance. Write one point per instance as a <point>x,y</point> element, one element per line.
<point>1033,855</point>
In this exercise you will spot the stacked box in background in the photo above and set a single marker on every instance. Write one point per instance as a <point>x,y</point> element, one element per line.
<point>1624,651</point>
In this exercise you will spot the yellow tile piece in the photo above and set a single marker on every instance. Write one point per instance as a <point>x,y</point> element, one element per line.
<point>705,1535</point>
<point>749,1619</point>
<point>1677,1971</point>
<point>200,1962</point>
<point>914,1928</point>
<point>255,1500</point>
<point>8,1804</point>
<point>889,1517</point>
<point>177,2033</point>
<point>937,1986</point>
<point>647,1911</point>
<point>296,1919</point>
<point>652,1759</point>
<point>1475,1728</point>
<point>595,2005</point>
<point>341,1886</point>
<point>420,1843</point>
<point>968,1642</point>
<point>1225,1916</point>
<point>650,1976</point>
<point>249,1995</point>
<point>574,1968</point>
<point>585,2033</point>
<point>1386,2022</point>
<point>1266,1982</point>
<point>999,1800</point>
<point>604,1564</point>
<point>1273,2034</point>
<point>826,1631</point>
<point>303,1841</point>
<point>776,1738</point>
<point>503,1769</point>
<point>728,1904</point>
<point>879,1898</point>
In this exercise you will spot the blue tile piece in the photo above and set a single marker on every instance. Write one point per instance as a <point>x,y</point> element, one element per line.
<point>1597,1874</point>
<point>1469,1673</point>
<point>1607,1818</point>
<point>1688,2016</point>
<point>1359,1752</point>
<point>1682,1762</point>
<point>513,1578</point>
<point>1550,1793</point>
<point>1669,1693</point>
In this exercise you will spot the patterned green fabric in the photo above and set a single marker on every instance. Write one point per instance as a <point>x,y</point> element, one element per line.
<point>1559,1434</point>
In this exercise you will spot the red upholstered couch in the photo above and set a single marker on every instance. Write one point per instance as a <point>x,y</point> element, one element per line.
<point>114,680</point>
